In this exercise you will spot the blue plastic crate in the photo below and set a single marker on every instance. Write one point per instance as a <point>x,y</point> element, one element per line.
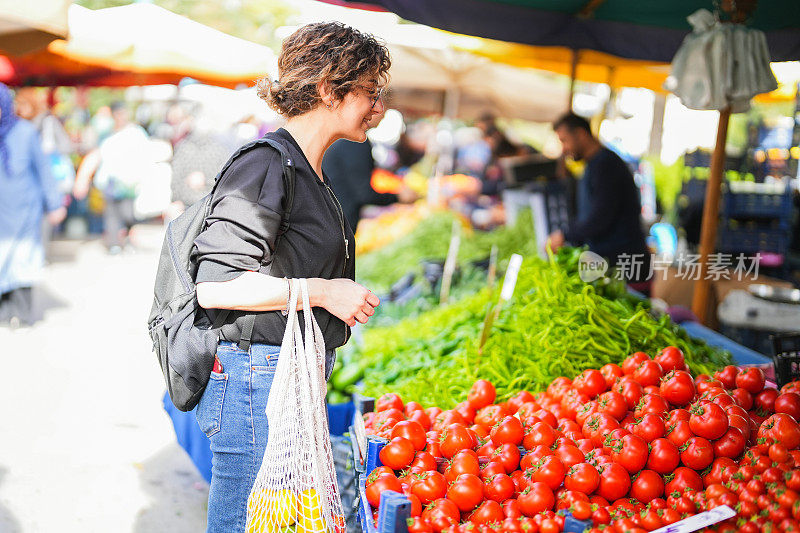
<point>394,510</point>
<point>372,460</point>
<point>754,237</point>
<point>757,204</point>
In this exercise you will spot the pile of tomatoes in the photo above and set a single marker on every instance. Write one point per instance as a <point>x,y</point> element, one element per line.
<point>631,447</point>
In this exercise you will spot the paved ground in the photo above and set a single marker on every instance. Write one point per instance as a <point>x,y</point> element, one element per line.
<point>85,445</point>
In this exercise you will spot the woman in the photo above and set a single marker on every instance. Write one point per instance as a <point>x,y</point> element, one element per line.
<point>329,88</point>
<point>27,191</point>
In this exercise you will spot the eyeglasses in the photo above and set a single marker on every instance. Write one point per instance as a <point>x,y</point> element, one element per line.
<point>374,93</point>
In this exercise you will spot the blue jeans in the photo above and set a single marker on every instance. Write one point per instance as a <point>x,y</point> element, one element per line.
<point>232,414</point>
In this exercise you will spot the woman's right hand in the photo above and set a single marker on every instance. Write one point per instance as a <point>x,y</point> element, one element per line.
<point>344,299</point>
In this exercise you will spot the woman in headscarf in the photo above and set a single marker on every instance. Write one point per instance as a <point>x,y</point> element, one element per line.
<point>27,194</point>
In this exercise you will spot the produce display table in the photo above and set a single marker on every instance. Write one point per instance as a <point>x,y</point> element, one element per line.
<point>741,354</point>
<point>196,443</point>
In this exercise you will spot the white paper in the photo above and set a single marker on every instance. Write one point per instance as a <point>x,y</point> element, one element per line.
<point>699,521</point>
<point>511,277</point>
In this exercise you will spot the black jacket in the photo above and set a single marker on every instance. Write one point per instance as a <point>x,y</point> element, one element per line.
<point>242,227</point>
<point>609,209</point>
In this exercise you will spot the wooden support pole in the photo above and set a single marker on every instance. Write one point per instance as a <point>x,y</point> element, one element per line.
<point>573,73</point>
<point>708,233</point>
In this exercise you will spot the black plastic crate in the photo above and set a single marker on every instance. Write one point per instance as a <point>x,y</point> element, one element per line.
<point>786,354</point>
<point>758,204</point>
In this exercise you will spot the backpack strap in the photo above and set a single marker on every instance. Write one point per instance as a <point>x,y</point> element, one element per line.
<point>288,182</point>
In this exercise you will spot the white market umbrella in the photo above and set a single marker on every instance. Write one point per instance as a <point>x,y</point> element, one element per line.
<point>27,25</point>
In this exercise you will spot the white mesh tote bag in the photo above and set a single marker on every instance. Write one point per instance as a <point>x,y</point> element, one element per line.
<point>295,489</point>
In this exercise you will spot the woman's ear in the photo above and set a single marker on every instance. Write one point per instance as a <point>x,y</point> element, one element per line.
<point>326,94</point>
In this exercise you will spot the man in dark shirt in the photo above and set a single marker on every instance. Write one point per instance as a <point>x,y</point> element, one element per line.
<point>609,206</point>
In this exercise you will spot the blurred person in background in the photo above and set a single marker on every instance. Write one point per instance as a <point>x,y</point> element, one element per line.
<point>32,105</point>
<point>349,165</point>
<point>116,168</point>
<point>28,194</point>
<point>196,160</point>
<point>609,208</point>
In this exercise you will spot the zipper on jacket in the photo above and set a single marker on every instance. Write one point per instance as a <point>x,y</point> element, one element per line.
<point>340,212</point>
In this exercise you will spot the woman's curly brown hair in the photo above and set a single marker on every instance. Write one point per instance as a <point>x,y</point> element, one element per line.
<point>323,52</point>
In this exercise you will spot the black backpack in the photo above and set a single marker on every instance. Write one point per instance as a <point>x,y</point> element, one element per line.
<point>184,338</point>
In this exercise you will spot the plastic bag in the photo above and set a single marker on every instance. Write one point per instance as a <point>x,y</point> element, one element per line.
<point>295,489</point>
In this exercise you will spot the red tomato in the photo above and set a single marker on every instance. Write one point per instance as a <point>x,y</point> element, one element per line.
<point>570,455</point>
<point>631,390</point>
<point>679,433</point>
<point>648,373</point>
<point>481,394</point>
<point>466,412</point>
<point>708,420</point>
<point>490,415</point>
<point>463,462</point>
<point>441,514</point>
<point>376,484</point>
<point>590,382</point>
<point>651,403</point>
<point>419,525</point>
<point>765,400</point>
<point>727,376</point>
<point>421,418</point>
<point>677,388</point>
<point>539,434</point>
<point>446,418</point>
<point>782,428</point>
<point>650,427</point>
<point>751,379</point>
<point>676,415</point>
<point>518,400</point>
<point>558,387</point>
<point>613,403</point>
<point>731,444</point>
<point>631,362</point>
<point>697,453</point>
<point>511,509</point>
<point>509,430</point>
<point>582,477</point>
<point>432,412</point>
<point>585,411</point>
<point>550,471</point>
<point>535,499</point>
<point>507,455</point>
<point>455,438</point>
<point>611,373</point>
<point>389,400</point>
<point>598,426</point>
<point>683,479</point>
<point>670,358</point>
<point>788,403</point>
<point>614,482</point>
<point>412,431</point>
<point>398,453</point>
<point>631,453</point>
<point>487,513</point>
<point>491,468</point>
<point>499,488</point>
<point>423,461</point>
<point>429,486</point>
<point>743,398</point>
<point>466,492</point>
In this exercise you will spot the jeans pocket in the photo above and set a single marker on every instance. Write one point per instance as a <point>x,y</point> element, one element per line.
<point>209,410</point>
